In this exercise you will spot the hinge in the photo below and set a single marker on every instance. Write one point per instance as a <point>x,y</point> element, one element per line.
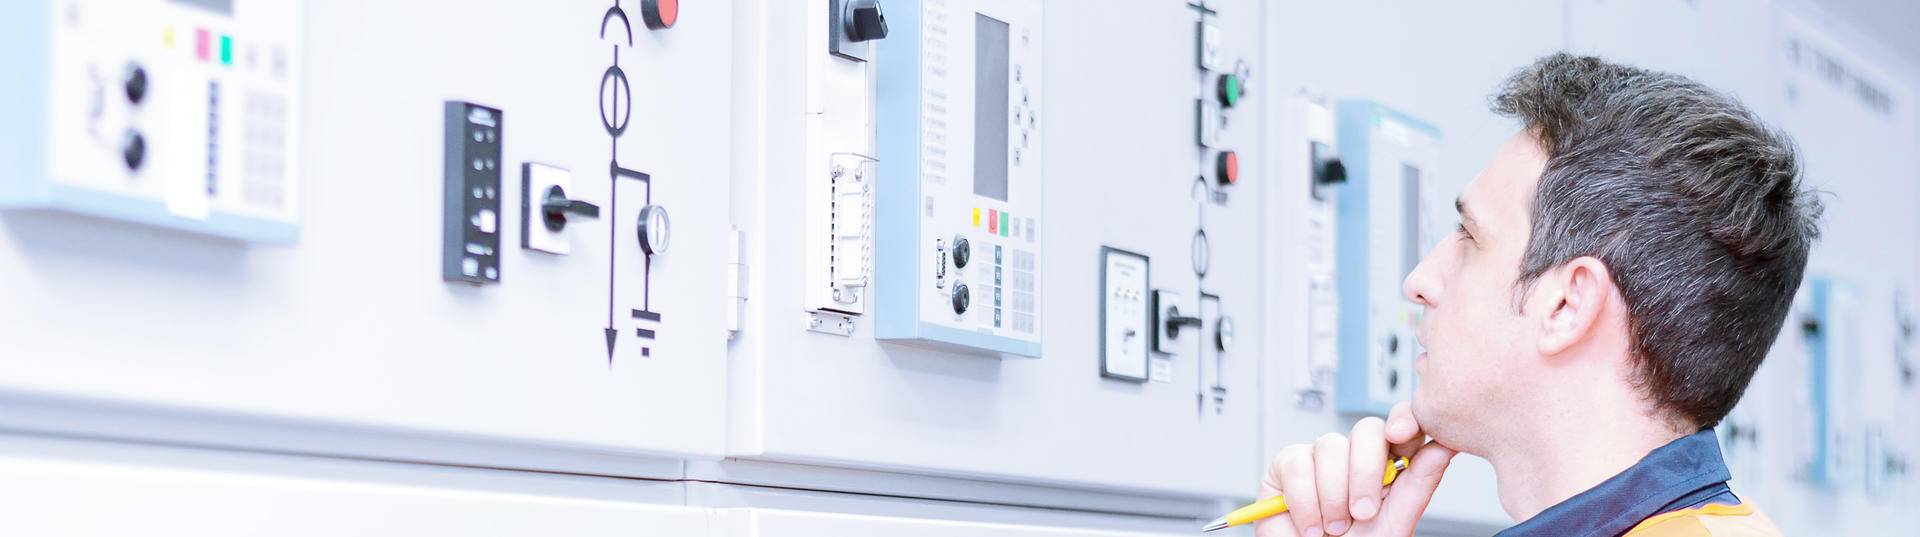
<point>736,306</point>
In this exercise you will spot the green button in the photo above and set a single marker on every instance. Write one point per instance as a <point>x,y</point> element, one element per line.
<point>226,49</point>
<point>1004,225</point>
<point>1229,89</point>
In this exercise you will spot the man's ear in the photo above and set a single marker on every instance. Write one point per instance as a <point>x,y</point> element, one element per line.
<point>1584,287</point>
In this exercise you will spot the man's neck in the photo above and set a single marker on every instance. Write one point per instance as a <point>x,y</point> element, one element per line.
<point>1579,442</point>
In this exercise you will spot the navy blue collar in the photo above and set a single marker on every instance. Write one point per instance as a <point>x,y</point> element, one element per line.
<point>1685,473</point>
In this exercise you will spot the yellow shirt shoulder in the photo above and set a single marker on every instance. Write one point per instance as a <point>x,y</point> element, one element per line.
<point>1711,520</point>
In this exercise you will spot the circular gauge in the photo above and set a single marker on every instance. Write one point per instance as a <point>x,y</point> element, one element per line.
<point>654,229</point>
<point>1223,334</point>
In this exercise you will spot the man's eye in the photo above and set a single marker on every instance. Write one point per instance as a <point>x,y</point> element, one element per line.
<point>1462,230</point>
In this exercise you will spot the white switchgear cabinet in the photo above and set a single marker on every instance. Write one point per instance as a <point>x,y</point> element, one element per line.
<point>352,328</point>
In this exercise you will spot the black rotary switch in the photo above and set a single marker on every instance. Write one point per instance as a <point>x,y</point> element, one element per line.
<point>1327,168</point>
<point>135,83</point>
<point>554,209</point>
<point>864,21</point>
<point>962,250</point>
<point>1175,320</point>
<point>133,149</point>
<point>961,298</point>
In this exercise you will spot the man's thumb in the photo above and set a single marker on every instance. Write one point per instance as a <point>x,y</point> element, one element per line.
<point>1408,496</point>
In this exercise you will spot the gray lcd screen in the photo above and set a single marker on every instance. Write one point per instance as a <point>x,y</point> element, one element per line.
<point>223,7</point>
<point>990,107</point>
<point>1410,215</point>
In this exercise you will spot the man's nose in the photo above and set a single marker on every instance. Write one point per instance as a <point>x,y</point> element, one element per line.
<point>1423,285</point>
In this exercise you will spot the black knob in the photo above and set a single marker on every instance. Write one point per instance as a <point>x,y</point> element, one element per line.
<point>961,298</point>
<point>1393,344</point>
<point>133,149</point>
<point>864,21</point>
<point>554,209</point>
<point>135,83</point>
<point>962,251</point>
<point>1327,168</point>
<point>1175,320</point>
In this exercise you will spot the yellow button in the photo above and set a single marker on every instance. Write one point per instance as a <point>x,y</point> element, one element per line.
<point>976,217</point>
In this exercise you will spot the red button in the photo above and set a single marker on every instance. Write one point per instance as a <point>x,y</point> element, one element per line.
<point>202,43</point>
<point>1229,168</point>
<point>660,14</point>
<point>993,222</point>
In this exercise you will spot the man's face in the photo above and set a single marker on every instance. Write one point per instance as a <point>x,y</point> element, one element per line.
<point>1476,343</point>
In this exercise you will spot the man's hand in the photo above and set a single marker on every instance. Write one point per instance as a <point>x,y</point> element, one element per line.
<point>1333,485</point>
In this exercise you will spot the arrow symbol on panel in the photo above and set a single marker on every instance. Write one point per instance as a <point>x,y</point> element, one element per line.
<point>611,334</point>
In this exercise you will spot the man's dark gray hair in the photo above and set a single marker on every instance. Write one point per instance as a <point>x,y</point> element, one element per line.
<point>1692,203</point>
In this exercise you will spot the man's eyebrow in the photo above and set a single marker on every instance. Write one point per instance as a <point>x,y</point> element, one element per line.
<point>1460,205</point>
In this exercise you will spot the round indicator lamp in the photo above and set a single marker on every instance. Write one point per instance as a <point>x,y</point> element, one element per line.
<point>1227,166</point>
<point>653,229</point>
<point>660,14</point>
<point>1230,91</point>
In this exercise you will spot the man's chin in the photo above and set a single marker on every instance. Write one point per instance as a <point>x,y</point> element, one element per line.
<point>1431,422</point>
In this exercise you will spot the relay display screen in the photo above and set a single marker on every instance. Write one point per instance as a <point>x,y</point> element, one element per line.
<point>990,107</point>
<point>1410,216</point>
<point>223,7</point>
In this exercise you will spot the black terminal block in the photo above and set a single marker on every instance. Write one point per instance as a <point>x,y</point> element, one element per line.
<point>471,252</point>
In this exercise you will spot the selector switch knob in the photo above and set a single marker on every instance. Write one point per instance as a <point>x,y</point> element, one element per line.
<point>1327,168</point>
<point>864,21</point>
<point>962,251</point>
<point>554,209</point>
<point>659,14</point>
<point>135,83</point>
<point>961,298</point>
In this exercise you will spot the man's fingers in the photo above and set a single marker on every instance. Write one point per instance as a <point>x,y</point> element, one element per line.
<point>1296,483</point>
<point>1403,433</point>
<point>1331,467</point>
<point>1363,483</point>
<point>1401,427</point>
<point>1407,498</point>
<point>1275,526</point>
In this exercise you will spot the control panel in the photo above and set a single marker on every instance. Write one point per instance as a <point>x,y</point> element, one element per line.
<point>1302,246</point>
<point>1390,159</point>
<point>840,169</point>
<point>1831,330</point>
<point>471,251</point>
<point>174,113</point>
<point>959,209</point>
<point>1126,325</point>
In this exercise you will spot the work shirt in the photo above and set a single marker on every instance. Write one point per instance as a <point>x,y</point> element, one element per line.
<point>1678,490</point>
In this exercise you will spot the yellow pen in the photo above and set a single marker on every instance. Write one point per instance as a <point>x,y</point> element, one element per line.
<point>1278,504</point>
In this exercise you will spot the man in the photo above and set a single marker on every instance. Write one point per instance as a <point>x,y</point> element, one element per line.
<point>1621,267</point>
